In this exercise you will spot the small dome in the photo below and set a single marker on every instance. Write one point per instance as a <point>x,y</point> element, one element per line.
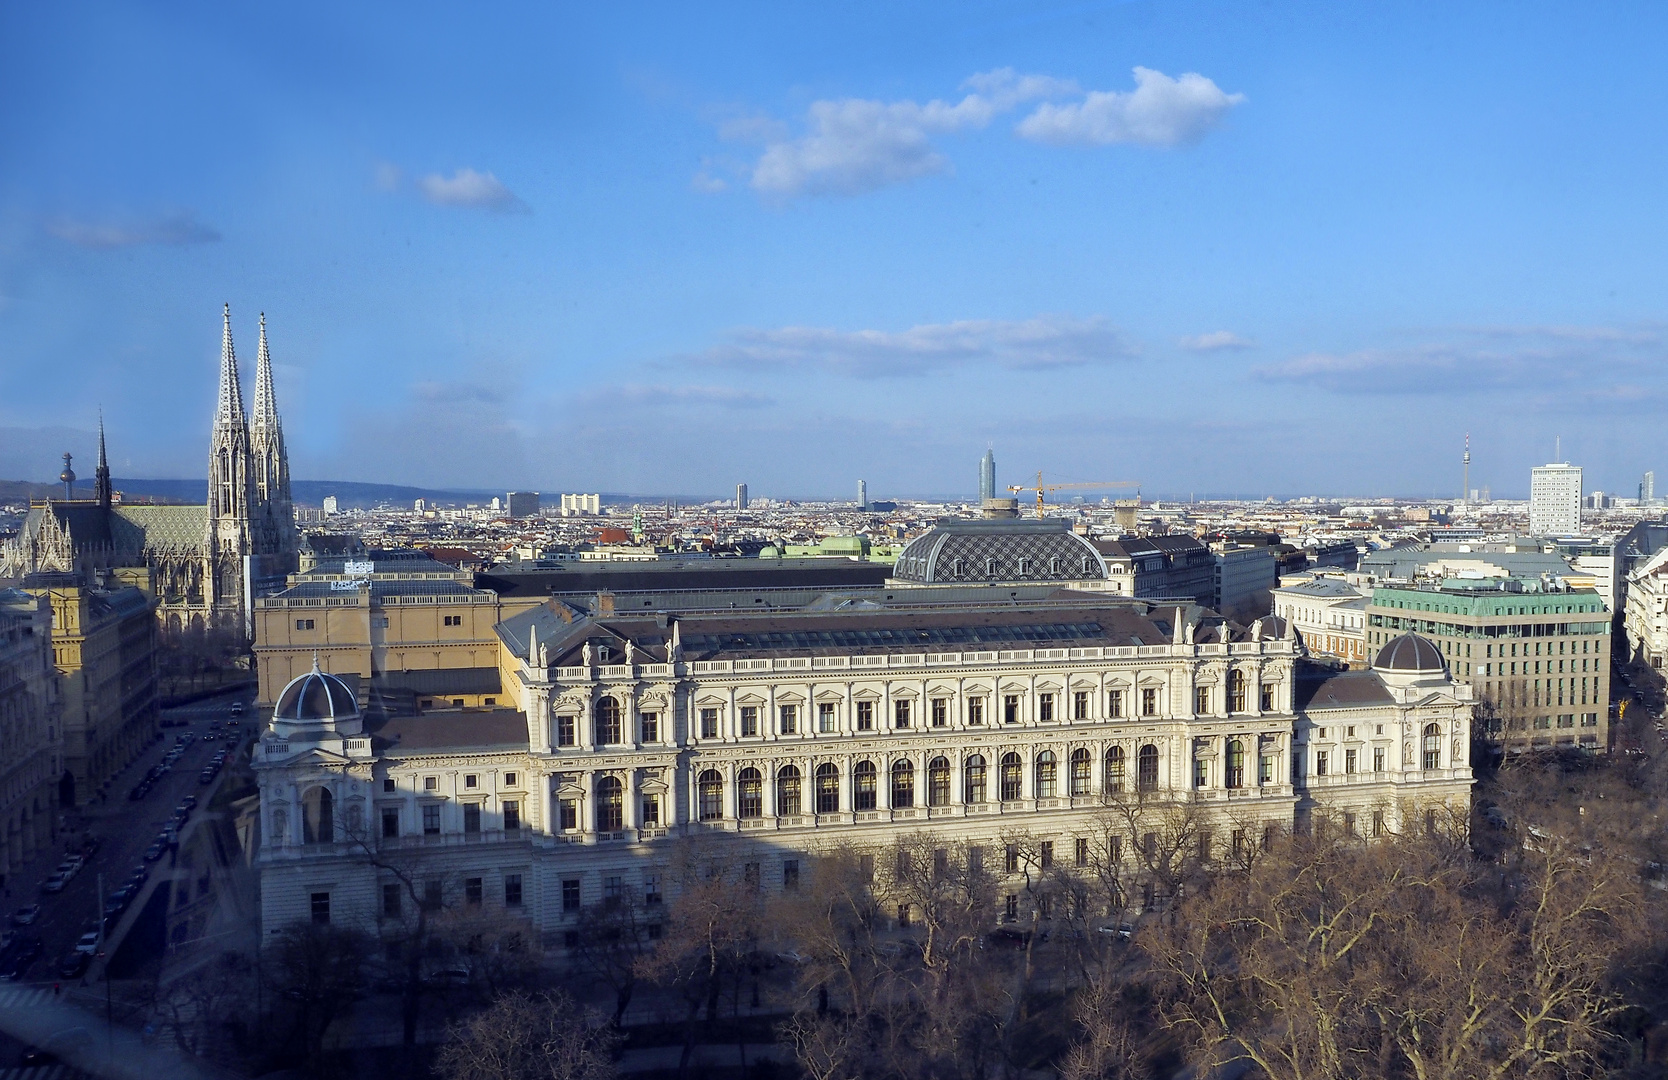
<point>315,696</point>
<point>1410,653</point>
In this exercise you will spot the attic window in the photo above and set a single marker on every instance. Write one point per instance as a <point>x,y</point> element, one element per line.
<point>602,653</point>
<point>990,567</point>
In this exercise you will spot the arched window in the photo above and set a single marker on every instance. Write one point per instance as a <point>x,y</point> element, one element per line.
<point>938,782</point>
<point>787,790</point>
<point>828,788</point>
<point>1115,770</point>
<point>610,804</point>
<point>903,784</point>
<point>1047,771</point>
<point>608,722</point>
<point>711,788</point>
<point>1146,768</point>
<point>1081,765</point>
<point>1433,746</point>
<point>1236,764</point>
<point>749,793</point>
<point>318,817</point>
<point>973,779</point>
<point>1013,774</point>
<point>863,785</point>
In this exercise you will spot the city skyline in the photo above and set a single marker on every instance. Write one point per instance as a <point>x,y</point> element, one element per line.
<point>1120,242</point>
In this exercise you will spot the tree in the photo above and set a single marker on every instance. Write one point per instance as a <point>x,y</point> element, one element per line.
<point>320,969</point>
<point>520,1037</point>
<point>613,943</point>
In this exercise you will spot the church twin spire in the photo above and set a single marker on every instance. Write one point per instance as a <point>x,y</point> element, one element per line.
<point>250,512</point>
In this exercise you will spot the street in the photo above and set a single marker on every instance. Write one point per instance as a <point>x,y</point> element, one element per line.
<point>124,828</point>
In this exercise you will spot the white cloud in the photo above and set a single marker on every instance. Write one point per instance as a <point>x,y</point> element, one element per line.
<point>1216,341</point>
<point>854,145</point>
<point>179,227</point>
<point>1044,342</point>
<point>1160,111</point>
<point>663,394</point>
<point>466,187</point>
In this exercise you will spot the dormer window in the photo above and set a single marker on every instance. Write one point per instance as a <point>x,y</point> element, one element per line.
<point>990,567</point>
<point>602,653</point>
<point>1055,566</point>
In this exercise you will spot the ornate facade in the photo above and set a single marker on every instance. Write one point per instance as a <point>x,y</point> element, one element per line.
<point>202,560</point>
<point>792,732</point>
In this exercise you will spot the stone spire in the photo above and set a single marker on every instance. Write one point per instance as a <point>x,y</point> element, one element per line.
<point>101,475</point>
<point>229,489</point>
<point>275,532</point>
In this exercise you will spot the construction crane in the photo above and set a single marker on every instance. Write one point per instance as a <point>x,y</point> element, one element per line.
<point>1041,488</point>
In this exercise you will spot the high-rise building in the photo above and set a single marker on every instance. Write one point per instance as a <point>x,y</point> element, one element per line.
<point>987,476</point>
<point>741,496</point>
<point>575,505</point>
<point>1647,487</point>
<point>331,505</point>
<point>862,494</point>
<point>522,504</point>
<point>1555,499</point>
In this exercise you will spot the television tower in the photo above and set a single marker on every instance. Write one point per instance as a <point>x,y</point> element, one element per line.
<point>1465,492</point>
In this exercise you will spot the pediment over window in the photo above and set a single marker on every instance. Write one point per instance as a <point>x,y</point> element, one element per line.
<point>830,696</point>
<point>750,697</point>
<point>866,694</point>
<point>710,700</point>
<point>789,698</point>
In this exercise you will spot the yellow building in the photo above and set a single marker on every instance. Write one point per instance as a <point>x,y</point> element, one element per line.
<point>104,647</point>
<point>395,625</point>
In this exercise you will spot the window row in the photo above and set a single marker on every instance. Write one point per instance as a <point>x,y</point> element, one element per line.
<point>828,793</point>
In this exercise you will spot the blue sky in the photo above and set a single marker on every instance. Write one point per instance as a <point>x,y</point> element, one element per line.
<point>1275,248</point>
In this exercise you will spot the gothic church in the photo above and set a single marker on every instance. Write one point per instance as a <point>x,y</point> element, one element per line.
<point>203,563</point>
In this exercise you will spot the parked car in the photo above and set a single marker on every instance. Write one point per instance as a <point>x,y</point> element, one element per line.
<point>53,884</point>
<point>189,802</point>
<point>74,965</point>
<point>206,777</point>
<point>237,708</point>
<point>88,942</point>
<point>68,868</point>
<point>154,852</point>
<point>26,915</point>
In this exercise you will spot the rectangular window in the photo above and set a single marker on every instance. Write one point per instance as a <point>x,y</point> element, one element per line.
<point>509,779</point>
<point>472,891</point>
<point>512,815</point>
<point>1080,705</point>
<point>1010,908</point>
<point>321,907</point>
<point>612,889</point>
<point>1149,702</point>
<point>304,624</point>
<point>649,723</point>
<point>565,727</point>
<point>749,721</point>
<point>1349,761</point>
<point>390,823</point>
<point>454,620</point>
<point>1115,849</point>
<point>1045,708</point>
<point>471,817</point>
<point>651,811</point>
<point>1010,858</point>
<point>1268,697</point>
<point>568,811</point>
<point>1349,824</point>
<point>709,723</point>
<point>1010,709</point>
<point>512,890</point>
<point>1378,759</point>
<point>1320,762</point>
<point>790,719</point>
<point>865,716</point>
<point>1081,851</point>
<point>651,889</point>
<point>940,712</point>
<point>471,780</point>
<point>392,899</point>
<point>1201,700</point>
<point>975,860</point>
<point>1046,853</point>
<point>1115,704</point>
<point>570,894</point>
<point>431,821</point>
<point>432,894</point>
<point>1378,822</point>
<point>975,712</point>
<point>825,717</point>
<point>388,784</point>
<point>750,876</point>
<point>790,875</point>
<point>900,713</point>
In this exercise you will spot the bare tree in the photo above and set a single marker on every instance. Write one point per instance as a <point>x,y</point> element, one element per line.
<point>320,968</point>
<point>613,942</point>
<point>529,1038</point>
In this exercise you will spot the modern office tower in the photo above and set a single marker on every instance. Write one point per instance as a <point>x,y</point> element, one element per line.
<point>332,505</point>
<point>1555,499</point>
<point>862,494</point>
<point>987,476</point>
<point>1647,488</point>
<point>575,505</point>
<point>522,504</point>
<point>741,496</point>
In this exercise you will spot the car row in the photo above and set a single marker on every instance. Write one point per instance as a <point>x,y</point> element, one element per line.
<point>22,951</point>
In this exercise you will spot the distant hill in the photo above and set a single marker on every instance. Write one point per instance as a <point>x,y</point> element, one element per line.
<point>350,494</point>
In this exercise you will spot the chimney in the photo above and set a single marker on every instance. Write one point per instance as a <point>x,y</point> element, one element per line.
<point>604,605</point>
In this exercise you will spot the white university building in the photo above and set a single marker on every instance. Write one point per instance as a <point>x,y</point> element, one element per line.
<point>790,732</point>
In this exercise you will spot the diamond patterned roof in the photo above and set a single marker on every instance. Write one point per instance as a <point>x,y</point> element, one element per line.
<point>160,528</point>
<point>1000,550</point>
